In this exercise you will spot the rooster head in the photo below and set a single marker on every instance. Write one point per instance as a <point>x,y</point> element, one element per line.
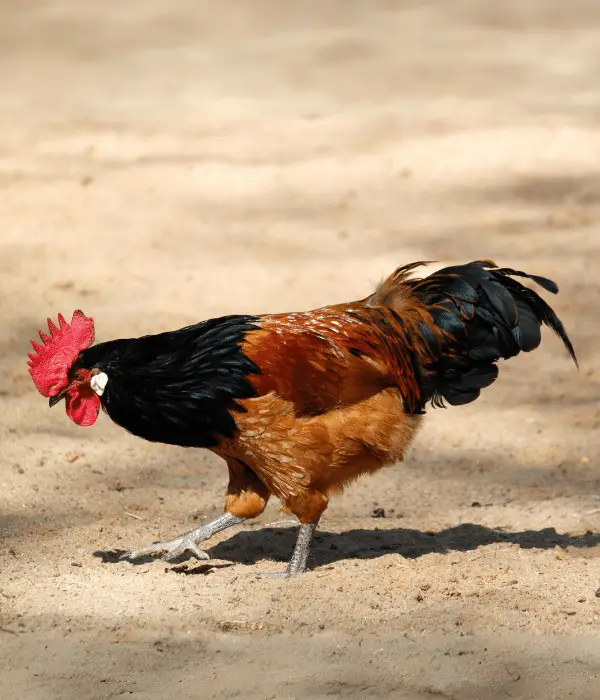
<point>50,367</point>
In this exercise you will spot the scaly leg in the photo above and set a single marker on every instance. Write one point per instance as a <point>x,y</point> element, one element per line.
<point>297,564</point>
<point>188,542</point>
<point>246,498</point>
<point>308,508</point>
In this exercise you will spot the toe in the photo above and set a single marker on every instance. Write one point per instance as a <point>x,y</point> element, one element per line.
<point>172,554</point>
<point>200,553</point>
<point>182,549</point>
<point>149,551</point>
<point>136,554</point>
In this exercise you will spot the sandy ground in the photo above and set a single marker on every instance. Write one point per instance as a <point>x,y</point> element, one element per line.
<point>161,163</point>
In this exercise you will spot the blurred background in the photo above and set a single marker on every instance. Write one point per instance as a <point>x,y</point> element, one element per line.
<point>164,162</point>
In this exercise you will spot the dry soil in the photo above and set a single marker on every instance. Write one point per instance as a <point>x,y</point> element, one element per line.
<point>164,162</point>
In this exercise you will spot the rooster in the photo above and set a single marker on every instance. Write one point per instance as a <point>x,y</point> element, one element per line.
<point>300,404</point>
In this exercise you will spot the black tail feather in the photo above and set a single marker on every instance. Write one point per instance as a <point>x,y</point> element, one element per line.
<point>486,315</point>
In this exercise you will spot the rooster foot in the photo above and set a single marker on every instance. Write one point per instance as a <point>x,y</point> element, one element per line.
<point>170,549</point>
<point>188,542</point>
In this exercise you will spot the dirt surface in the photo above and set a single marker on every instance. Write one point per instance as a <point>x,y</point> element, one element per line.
<point>161,163</point>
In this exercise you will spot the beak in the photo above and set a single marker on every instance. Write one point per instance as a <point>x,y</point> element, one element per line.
<point>57,399</point>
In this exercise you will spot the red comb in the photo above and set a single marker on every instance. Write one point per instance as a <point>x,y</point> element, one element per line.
<point>50,363</point>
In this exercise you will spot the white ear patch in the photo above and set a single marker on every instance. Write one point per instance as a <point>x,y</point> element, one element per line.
<point>98,383</point>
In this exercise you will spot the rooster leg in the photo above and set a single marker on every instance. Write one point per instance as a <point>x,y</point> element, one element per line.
<point>188,542</point>
<point>308,508</point>
<point>297,564</point>
<point>246,498</point>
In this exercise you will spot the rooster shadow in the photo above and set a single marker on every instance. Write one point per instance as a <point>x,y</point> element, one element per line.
<point>251,547</point>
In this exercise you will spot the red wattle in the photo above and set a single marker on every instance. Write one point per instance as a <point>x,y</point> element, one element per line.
<point>82,404</point>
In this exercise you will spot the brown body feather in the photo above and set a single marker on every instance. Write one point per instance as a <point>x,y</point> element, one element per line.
<point>336,394</point>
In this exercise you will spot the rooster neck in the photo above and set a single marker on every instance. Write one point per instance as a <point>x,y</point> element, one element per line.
<point>178,388</point>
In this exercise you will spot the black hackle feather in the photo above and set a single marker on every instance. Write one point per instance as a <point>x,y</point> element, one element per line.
<point>179,387</point>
